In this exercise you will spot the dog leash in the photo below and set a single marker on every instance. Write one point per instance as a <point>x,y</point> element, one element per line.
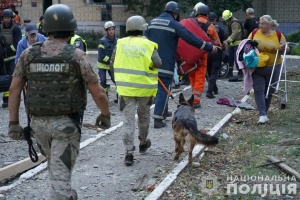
<point>168,91</point>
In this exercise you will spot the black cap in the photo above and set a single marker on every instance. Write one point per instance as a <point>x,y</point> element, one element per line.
<point>212,16</point>
<point>31,28</point>
<point>27,20</point>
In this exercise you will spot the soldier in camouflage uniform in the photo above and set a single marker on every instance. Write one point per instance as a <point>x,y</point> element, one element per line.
<point>57,74</point>
<point>134,61</point>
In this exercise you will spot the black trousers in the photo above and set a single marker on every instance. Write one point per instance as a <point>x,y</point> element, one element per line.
<point>213,66</point>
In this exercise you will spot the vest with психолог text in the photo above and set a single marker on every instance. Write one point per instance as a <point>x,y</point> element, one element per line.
<point>49,67</point>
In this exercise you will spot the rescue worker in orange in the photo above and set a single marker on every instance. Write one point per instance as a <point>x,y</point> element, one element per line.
<point>197,77</point>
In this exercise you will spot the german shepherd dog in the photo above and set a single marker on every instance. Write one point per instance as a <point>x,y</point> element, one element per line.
<point>184,124</point>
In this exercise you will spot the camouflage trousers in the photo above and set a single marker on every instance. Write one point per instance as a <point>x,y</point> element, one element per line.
<point>59,139</point>
<point>129,107</point>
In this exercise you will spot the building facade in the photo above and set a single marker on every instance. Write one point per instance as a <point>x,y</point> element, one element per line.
<point>91,15</point>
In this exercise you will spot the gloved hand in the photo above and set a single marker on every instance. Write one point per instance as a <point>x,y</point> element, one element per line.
<point>15,131</point>
<point>103,121</point>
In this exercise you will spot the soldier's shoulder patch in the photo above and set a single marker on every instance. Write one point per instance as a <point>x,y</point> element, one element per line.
<point>77,44</point>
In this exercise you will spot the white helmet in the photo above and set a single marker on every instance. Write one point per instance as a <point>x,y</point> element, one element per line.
<point>198,5</point>
<point>136,23</point>
<point>109,24</point>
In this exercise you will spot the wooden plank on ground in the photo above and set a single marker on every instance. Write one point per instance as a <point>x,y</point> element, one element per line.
<point>290,142</point>
<point>19,167</point>
<point>285,167</point>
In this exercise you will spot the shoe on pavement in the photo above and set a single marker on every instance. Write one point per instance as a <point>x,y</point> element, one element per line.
<point>158,123</point>
<point>196,106</point>
<point>169,114</point>
<point>128,160</point>
<point>216,91</point>
<point>144,147</point>
<point>210,95</point>
<point>263,119</point>
<point>4,105</point>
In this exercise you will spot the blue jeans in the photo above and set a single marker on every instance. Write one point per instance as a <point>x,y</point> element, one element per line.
<point>161,102</point>
<point>102,75</point>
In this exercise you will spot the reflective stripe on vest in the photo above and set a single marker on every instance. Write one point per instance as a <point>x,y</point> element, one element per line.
<point>162,28</point>
<point>133,67</point>
<point>102,65</point>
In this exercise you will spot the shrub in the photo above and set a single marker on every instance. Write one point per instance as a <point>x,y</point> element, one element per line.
<point>91,38</point>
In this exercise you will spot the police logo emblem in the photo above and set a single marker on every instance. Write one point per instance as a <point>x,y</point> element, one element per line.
<point>209,184</point>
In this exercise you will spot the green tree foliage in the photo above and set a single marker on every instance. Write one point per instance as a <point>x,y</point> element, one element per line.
<point>218,6</point>
<point>152,8</point>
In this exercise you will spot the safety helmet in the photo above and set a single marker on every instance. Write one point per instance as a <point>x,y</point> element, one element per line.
<point>7,13</point>
<point>226,15</point>
<point>250,10</point>
<point>172,6</point>
<point>136,23</point>
<point>58,18</point>
<point>202,10</point>
<point>109,24</point>
<point>197,5</point>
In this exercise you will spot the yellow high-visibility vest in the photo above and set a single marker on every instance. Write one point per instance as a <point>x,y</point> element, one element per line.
<point>72,41</point>
<point>134,73</point>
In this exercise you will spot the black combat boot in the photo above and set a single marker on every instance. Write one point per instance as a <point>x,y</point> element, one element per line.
<point>167,114</point>
<point>5,102</point>
<point>144,147</point>
<point>210,95</point>
<point>158,123</point>
<point>128,160</point>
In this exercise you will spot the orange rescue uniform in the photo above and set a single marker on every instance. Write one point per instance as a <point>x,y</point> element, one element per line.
<point>197,77</point>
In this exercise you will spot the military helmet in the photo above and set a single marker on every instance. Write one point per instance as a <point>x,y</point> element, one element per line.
<point>58,18</point>
<point>197,5</point>
<point>226,15</point>
<point>109,24</point>
<point>202,10</point>
<point>7,13</point>
<point>172,6</point>
<point>136,23</point>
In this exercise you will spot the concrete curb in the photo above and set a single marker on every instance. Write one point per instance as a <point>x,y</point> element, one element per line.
<point>171,177</point>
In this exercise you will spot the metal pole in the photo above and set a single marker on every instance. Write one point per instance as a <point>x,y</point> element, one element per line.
<point>270,82</point>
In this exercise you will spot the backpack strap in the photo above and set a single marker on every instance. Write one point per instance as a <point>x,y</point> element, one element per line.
<point>253,33</point>
<point>278,33</point>
<point>204,26</point>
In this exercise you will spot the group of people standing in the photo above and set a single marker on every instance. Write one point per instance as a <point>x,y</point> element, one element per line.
<point>56,96</point>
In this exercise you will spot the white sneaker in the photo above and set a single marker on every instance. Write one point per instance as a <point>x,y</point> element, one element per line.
<point>263,119</point>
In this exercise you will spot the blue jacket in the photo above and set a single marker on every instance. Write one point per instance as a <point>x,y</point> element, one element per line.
<point>105,49</point>
<point>22,45</point>
<point>165,31</point>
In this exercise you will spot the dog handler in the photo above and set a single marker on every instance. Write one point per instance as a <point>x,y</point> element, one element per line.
<point>134,61</point>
